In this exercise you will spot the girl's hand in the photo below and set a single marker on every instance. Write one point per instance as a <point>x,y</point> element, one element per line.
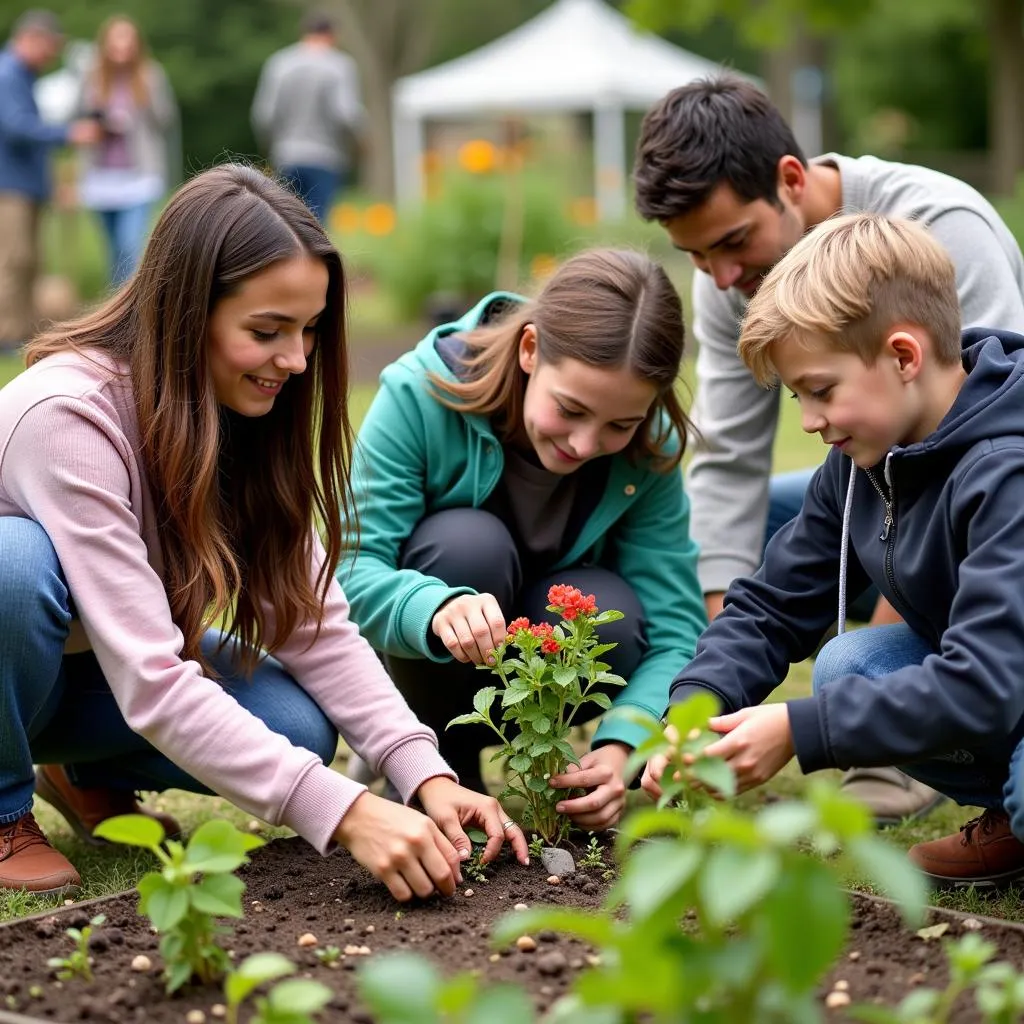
<point>453,806</point>
<point>756,743</point>
<point>600,771</point>
<point>400,846</point>
<point>470,626</point>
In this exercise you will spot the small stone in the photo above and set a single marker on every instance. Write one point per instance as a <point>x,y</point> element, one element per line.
<point>468,893</point>
<point>557,861</point>
<point>369,929</point>
<point>218,1010</point>
<point>142,963</point>
<point>494,958</point>
<point>916,979</point>
<point>357,951</point>
<point>520,906</point>
<point>253,825</point>
<point>525,944</point>
<point>576,963</point>
<point>855,955</point>
<point>841,986</point>
<point>195,1017</point>
<point>836,999</point>
<point>552,964</point>
<point>309,939</point>
<point>593,960</point>
<point>970,924</point>
<point>545,990</point>
<point>554,880</point>
<point>69,903</point>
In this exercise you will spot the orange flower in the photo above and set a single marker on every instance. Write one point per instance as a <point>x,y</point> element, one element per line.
<point>345,218</point>
<point>379,219</point>
<point>478,156</point>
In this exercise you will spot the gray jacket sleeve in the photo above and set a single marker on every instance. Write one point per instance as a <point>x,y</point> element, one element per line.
<point>990,295</point>
<point>265,100</point>
<point>736,420</point>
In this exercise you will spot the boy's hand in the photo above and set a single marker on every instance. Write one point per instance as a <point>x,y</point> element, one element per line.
<point>650,781</point>
<point>599,771</point>
<point>756,743</point>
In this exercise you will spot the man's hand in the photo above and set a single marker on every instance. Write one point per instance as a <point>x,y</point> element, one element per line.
<point>470,626</point>
<point>756,743</point>
<point>713,602</point>
<point>599,771</point>
<point>452,806</point>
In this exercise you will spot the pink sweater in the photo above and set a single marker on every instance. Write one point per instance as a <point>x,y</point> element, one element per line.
<point>69,459</point>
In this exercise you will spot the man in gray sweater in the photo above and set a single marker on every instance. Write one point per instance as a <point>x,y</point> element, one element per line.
<point>308,113</point>
<point>718,167</point>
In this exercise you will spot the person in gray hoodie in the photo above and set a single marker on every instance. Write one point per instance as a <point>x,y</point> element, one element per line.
<point>308,113</point>
<point>921,494</point>
<point>718,167</point>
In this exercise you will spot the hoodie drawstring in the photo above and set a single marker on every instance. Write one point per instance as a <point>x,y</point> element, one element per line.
<point>844,547</point>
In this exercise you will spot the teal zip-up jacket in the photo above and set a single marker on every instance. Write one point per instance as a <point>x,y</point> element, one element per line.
<point>414,457</point>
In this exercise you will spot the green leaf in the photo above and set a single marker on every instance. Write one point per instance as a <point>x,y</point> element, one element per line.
<point>564,675</point>
<point>541,724</point>
<point>602,700</point>
<point>542,748</point>
<point>520,763</point>
<point>537,785</point>
<point>299,995</point>
<point>471,719</point>
<point>218,895</point>
<point>655,873</point>
<point>218,846</point>
<point>400,987</point>
<point>610,679</point>
<point>253,971</point>
<point>783,824</point>
<point>476,835</point>
<point>693,713</point>
<point>164,904</point>
<point>890,870</point>
<point>609,616</point>
<point>598,649</point>
<point>566,750</point>
<point>131,830</point>
<point>483,699</point>
<point>177,974</point>
<point>510,697</point>
<point>733,880</point>
<point>715,774</point>
<point>502,1004</point>
<point>591,927</point>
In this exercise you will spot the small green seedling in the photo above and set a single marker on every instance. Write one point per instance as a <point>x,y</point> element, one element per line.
<point>290,1002</point>
<point>536,846</point>
<point>592,855</point>
<point>329,956</point>
<point>473,867</point>
<point>193,888</point>
<point>77,964</point>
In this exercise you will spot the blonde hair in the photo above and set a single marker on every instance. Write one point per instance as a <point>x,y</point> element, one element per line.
<point>848,281</point>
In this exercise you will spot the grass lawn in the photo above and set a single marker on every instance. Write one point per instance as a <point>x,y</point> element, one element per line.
<point>112,869</point>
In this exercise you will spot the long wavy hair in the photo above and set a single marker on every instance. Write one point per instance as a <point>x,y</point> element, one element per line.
<point>106,71</point>
<point>605,307</point>
<point>237,499</point>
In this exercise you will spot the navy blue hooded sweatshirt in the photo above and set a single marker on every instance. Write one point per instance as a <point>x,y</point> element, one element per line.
<point>938,527</point>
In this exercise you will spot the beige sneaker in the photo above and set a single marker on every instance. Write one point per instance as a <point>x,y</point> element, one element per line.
<point>890,795</point>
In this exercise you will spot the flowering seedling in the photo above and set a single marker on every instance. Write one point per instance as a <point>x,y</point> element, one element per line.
<point>558,669</point>
<point>77,964</point>
<point>290,1002</point>
<point>193,888</point>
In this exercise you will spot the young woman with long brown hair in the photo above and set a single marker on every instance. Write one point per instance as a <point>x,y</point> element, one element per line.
<point>164,462</point>
<point>527,444</point>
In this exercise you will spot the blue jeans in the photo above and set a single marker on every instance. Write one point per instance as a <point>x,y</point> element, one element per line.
<point>58,709</point>
<point>785,497</point>
<point>987,776</point>
<point>316,186</point>
<point>126,232</point>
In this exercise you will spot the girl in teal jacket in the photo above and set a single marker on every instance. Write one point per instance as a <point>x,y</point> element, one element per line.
<point>527,444</point>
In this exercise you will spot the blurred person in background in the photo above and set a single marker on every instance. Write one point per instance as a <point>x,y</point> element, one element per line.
<point>25,145</point>
<point>128,96</point>
<point>308,114</point>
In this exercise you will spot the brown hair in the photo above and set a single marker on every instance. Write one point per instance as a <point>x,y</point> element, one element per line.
<point>105,71</point>
<point>237,501</point>
<point>715,131</point>
<point>850,280</point>
<point>604,307</point>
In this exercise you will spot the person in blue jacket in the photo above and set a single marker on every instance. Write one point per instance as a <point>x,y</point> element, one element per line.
<point>528,444</point>
<point>922,495</point>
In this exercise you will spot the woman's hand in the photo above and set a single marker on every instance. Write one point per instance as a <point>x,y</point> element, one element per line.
<point>470,626</point>
<point>452,807</point>
<point>601,772</point>
<point>400,846</point>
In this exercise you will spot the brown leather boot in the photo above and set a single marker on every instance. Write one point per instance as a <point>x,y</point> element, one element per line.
<point>84,809</point>
<point>29,862</point>
<point>984,853</point>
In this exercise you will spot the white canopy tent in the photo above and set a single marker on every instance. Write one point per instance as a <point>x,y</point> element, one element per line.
<point>578,55</point>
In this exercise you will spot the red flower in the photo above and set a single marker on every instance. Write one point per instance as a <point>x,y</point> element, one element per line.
<point>543,630</point>
<point>571,602</point>
<point>517,624</point>
<point>551,646</point>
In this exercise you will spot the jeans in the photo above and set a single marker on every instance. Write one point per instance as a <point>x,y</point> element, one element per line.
<point>986,776</point>
<point>785,497</point>
<point>316,186</point>
<point>126,232</point>
<point>469,547</point>
<point>58,709</point>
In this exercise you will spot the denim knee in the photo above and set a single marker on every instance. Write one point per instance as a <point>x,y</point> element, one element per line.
<point>466,547</point>
<point>32,585</point>
<point>839,657</point>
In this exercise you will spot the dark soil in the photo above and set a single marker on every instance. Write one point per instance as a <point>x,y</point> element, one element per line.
<point>292,891</point>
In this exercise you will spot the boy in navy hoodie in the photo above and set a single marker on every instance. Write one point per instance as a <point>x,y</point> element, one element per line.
<point>922,495</point>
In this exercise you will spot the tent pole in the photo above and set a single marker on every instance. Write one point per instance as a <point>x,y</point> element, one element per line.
<point>610,161</point>
<point>408,149</point>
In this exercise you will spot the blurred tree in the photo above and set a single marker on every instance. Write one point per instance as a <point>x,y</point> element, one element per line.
<point>771,23</point>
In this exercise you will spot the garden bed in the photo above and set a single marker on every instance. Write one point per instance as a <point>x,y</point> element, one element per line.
<point>291,891</point>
